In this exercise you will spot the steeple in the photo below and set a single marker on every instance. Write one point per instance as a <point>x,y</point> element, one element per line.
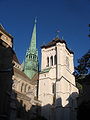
<point>31,58</point>
<point>33,38</point>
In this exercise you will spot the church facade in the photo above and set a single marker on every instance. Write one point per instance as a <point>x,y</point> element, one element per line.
<point>52,89</point>
<point>19,97</point>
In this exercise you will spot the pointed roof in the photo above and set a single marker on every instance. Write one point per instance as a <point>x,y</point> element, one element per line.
<point>33,38</point>
<point>30,64</point>
<point>53,43</point>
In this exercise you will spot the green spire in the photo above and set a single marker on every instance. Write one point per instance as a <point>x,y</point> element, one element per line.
<point>33,39</point>
<point>31,59</point>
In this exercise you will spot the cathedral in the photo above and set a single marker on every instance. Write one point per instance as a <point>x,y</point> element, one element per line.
<point>50,92</point>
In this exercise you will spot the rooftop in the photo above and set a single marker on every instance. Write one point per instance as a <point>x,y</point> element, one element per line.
<point>53,43</point>
<point>3,30</point>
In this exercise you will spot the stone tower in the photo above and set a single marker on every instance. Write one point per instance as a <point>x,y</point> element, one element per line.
<point>31,58</point>
<point>57,89</point>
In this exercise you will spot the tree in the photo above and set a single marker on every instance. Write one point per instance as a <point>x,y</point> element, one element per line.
<point>84,65</point>
<point>82,70</point>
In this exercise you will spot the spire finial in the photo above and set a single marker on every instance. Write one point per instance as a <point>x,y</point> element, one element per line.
<point>35,20</point>
<point>33,38</point>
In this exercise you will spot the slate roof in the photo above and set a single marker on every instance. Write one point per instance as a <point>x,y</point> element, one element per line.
<point>53,43</point>
<point>19,73</point>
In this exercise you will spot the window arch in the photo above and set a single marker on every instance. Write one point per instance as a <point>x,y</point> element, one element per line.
<point>53,88</point>
<point>25,88</point>
<point>51,60</point>
<point>28,88</point>
<point>22,87</point>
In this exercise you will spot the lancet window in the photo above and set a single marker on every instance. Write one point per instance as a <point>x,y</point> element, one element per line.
<point>28,88</point>
<point>51,60</point>
<point>55,60</point>
<point>47,61</point>
<point>53,88</point>
<point>22,87</point>
<point>25,88</point>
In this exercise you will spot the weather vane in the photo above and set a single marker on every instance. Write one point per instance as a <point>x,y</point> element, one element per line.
<point>57,33</point>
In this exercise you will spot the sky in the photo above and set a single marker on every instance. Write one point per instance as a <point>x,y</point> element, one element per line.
<point>70,17</point>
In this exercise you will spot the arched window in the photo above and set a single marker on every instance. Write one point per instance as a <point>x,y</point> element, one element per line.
<point>47,61</point>
<point>25,88</point>
<point>53,88</point>
<point>55,60</point>
<point>28,88</point>
<point>30,56</point>
<point>67,62</point>
<point>22,87</point>
<point>51,60</point>
<point>35,57</point>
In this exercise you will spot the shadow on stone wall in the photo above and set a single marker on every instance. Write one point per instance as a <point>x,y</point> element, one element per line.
<point>59,112</point>
<point>6,71</point>
<point>49,112</point>
<point>19,112</point>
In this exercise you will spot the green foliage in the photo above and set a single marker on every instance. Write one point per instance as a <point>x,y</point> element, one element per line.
<point>84,65</point>
<point>82,70</point>
<point>79,86</point>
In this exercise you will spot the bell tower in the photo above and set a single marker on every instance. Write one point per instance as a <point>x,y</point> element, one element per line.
<point>57,89</point>
<point>31,58</point>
